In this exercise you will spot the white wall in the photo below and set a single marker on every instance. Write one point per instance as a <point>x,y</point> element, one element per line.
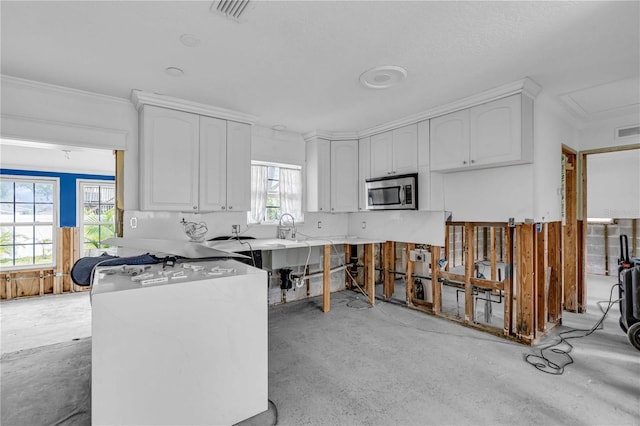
<point>418,227</point>
<point>602,134</point>
<point>80,160</point>
<point>613,180</point>
<point>42,113</point>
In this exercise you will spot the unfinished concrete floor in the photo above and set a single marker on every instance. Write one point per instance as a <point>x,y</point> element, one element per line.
<point>391,365</point>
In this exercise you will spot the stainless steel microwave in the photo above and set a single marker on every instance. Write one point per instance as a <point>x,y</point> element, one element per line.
<point>392,193</point>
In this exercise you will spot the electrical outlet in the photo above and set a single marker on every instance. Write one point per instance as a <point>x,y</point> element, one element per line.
<point>319,224</point>
<point>235,229</point>
<point>364,225</point>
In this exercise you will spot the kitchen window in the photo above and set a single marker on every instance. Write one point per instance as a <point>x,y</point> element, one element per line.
<point>275,189</point>
<point>28,217</point>
<point>96,216</point>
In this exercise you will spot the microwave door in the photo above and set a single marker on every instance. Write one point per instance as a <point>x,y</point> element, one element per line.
<point>384,196</point>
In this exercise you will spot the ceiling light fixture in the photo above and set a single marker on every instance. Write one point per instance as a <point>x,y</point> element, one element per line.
<point>174,71</point>
<point>383,77</point>
<point>189,40</point>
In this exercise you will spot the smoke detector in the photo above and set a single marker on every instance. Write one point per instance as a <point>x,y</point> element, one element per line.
<point>232,9</point>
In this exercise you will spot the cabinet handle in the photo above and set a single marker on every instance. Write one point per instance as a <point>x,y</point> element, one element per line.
<point>320,208</point>
<point>195,207</point>
<point>473,161</point>
<point>223,207</point>
<point>230,207</point>
<point>464,162</point>
<point>332,209</point>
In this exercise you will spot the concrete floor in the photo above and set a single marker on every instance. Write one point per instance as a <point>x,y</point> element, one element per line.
<point>388,365</point>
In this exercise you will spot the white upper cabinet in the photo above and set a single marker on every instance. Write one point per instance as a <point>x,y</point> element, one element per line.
<point>364,170</point>
<point>395,152</point>
<point>225,165</point>
<point>344,176</point>
<point>169,150</point>
<point>318,161</point>
<point>449,141</point>
<point>496,133</point>
<point>238,166</point>
<point>193,163</point>
<point>332,175</point>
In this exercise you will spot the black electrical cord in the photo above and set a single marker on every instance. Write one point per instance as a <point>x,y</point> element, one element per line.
<point>544,364</point>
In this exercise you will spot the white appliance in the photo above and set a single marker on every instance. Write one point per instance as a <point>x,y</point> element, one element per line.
<point>181,345</point>
<point>392,193</point>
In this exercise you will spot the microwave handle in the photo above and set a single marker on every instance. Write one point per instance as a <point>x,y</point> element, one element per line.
<point>402,195</point>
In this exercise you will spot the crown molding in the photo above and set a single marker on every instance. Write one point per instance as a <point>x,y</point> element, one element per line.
<point>140,98</point>
<point>332,136</point>
<point>37,85</point>
<point>525,86</point>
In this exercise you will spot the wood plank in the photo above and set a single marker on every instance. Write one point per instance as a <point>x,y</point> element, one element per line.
<point>450,276</point>
<point>410,281</point>
<point>347,260</point>
<point>369,273</point>
<point>508,281</point>
<point>554,255</point>
<point>469,269</point>
<point>453,256</point>
<point>570,243</point>
<point>526,289</point>
<point>487,284</point>
<point>540,269</point>
<point>388,264</point>
<point>326,279</point>
<point>119,217</point>
<point>581,271</point>
<point>447,242</point>
<point>494,255</point>
<point>436,285</point>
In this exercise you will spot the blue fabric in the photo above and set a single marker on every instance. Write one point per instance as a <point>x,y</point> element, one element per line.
<point>83,269</point>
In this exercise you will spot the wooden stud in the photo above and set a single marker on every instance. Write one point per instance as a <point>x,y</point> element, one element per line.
<point>508,281</point>
<point>326,279</point>
<point>554,236</point>
<point>570,243</point>
<point>526,289</point>
<point>540,269</point>
<point>494,255</point>
<point>500,237</point>
<point>388,264</point>
<point>485,242</point>
<point>369,273</point>
<point>606,248</point>
<point>447,243</point>
<point>581,271</point>
<point>453,254</point>
<point>409,273</point>
<point>347,260</point>
<point>436,285</point>
<point>469,269</point>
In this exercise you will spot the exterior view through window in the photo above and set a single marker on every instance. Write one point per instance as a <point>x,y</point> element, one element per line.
<point>28,210</point>
<point>275,189</point>
<point>97,216</point>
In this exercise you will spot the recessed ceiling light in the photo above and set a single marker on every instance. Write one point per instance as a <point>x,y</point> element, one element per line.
<point>279,127</point>
<point>383,76</point>
<point>174,71</point>
<point>189,40</point>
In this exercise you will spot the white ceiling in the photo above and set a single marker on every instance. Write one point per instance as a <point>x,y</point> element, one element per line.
<point>297,63</point>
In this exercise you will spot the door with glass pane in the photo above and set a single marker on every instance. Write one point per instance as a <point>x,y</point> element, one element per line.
<point>97,202</point>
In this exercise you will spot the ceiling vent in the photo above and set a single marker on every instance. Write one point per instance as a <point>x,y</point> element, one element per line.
<point>233,9</point>
<point>625,132</point>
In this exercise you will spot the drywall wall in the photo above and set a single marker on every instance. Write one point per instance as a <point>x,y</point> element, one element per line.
<point>276,146</point>
<point>552,128</point>
<point>407,226</point>
<point>602,133</point>
<point>612,184</point>
<point>59,116</point>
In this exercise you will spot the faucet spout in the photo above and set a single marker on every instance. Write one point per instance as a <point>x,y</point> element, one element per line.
<point>284,230</point>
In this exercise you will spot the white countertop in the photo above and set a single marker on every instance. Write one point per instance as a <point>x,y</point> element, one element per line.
<point>280,244</point>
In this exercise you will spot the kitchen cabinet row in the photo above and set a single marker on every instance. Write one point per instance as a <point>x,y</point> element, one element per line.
<point>191,162</point>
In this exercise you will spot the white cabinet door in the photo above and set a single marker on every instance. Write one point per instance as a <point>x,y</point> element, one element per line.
<point>213,164</point>
<point>168,160</point>
<point>344,176</point>
<point>318,158</point>
<point>405,150</point>
<point>382,154</point>
<point>364,170</point>
<point>496,132</point>
<point>450,141</point>
<point>238,166</point>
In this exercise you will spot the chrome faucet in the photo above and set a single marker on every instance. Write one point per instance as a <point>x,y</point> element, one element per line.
<point>284,230</point>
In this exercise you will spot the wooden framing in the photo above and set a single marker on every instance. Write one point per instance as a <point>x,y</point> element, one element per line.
<point>540,274</point>
<point>388,264</point>
<point>409,270</point>
<point>508,281</point>
<point>526,289</point>
<point>570,234</point>
<point>436,285</point>
<point>119,217</point>
<point>554,235</point>
<point>326,278</point>
<point>347,260</point>
<point>469,268</point>
<point>369,273</point>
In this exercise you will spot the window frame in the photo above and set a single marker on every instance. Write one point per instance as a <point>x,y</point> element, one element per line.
<point>298,167</point>
<point>55,222</point>
<point>80,224</point>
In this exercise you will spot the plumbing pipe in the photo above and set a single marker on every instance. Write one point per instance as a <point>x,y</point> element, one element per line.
<point>318,273</point>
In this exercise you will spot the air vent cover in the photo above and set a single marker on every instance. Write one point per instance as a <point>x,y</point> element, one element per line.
<point>233,9</point>
<point>626,132</point>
